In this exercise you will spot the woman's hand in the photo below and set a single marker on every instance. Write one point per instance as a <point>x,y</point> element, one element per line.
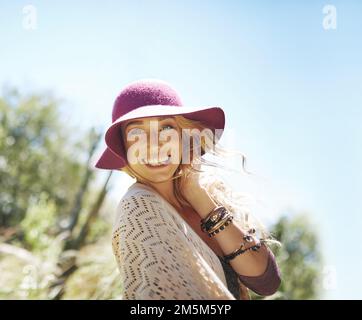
<point>195,194</point>
<point>190,184</point>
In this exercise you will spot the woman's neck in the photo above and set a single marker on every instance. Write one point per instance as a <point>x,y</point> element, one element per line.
<point>166,190</point>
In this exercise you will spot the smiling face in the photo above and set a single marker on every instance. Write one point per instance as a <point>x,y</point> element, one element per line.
<point>153,147</point>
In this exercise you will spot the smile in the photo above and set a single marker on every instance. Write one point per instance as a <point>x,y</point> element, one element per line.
<point>161,164</point>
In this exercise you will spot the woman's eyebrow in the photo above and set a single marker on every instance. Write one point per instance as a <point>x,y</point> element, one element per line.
<point>134,122</point>
<point>141,122</point>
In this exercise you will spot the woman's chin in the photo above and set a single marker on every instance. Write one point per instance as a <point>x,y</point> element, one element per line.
<point>160,175</point>
<point>156,174</point>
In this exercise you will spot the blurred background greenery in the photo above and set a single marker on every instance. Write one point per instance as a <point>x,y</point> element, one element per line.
<point>55,221</point>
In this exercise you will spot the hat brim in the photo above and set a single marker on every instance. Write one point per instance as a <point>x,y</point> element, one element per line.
<point>109,160</point>
<point>114,156</point>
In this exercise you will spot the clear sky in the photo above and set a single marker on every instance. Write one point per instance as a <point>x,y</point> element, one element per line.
<point>291,90</point>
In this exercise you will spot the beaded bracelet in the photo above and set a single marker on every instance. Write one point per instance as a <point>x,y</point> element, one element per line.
<point>216,220</point>
<point>239,251</point>
<point>213,218</point>
<point>221,227</point>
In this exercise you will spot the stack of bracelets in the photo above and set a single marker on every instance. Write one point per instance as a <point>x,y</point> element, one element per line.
<point>217,220</point>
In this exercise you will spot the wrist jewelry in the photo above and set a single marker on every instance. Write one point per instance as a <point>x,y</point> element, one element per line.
<point>216,220</point>
<point>221,226</point>
<point>217,214</point>
<point>247,239</point>
<point>239,251</point>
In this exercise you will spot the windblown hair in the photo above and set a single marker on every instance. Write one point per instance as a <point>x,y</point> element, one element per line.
<point>234,202</point>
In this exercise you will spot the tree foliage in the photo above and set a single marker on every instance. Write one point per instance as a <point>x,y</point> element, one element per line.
<point>37,157</point>
<point>298,257</point>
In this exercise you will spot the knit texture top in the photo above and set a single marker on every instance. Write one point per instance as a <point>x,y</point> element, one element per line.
<point>160,257</point>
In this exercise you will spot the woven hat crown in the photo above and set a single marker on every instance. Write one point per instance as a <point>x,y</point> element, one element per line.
<point>144,93</point>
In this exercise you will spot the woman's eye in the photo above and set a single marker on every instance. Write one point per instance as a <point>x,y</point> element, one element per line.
<point>135,131</point>
<point>167,126</point>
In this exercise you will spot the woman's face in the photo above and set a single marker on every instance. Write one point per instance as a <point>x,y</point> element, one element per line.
<point>153,147</point>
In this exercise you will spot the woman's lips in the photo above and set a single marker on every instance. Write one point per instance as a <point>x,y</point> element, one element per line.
<point>159,166</point>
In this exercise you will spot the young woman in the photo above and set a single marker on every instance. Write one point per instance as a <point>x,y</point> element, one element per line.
<point>178,235</point>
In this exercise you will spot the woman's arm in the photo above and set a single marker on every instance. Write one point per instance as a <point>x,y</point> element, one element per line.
<point>257,270</point>
<point>155,260</point>
<point>267,283</point>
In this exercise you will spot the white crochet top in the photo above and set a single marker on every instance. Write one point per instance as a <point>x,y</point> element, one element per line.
<point>159,255</point>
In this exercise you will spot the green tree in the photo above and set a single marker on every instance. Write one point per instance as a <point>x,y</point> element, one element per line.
<point>37,156</point>
<point>47,202</point>
<point>298,257</point>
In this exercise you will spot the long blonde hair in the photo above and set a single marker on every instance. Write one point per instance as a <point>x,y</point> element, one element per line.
<point>236,203</point>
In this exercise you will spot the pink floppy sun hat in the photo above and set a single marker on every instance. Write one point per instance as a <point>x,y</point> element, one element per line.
<point>150,98</point>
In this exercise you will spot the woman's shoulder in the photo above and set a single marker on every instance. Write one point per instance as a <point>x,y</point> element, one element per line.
<point>138,191</point>
<point>140,199</point>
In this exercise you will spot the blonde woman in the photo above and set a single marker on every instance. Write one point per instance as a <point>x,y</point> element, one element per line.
<point>178,236</point>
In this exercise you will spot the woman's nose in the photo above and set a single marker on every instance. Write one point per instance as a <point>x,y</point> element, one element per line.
<point>153,136</point>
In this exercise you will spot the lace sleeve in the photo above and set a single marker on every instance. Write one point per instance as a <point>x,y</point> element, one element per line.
<point>154,258</point>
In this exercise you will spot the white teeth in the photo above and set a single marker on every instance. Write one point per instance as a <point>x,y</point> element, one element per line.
<point>155,164</point>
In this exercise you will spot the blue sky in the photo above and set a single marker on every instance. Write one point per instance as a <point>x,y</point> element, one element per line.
<point>291,90</point>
